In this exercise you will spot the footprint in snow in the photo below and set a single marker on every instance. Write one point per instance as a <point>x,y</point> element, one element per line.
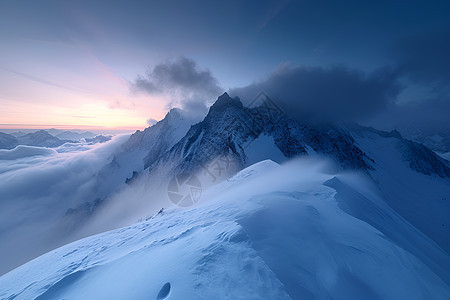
<point>164,292</point>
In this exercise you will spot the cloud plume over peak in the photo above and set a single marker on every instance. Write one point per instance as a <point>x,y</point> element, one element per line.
<point>151,121</point>
<point>327,93</point>
<point>180,79</point>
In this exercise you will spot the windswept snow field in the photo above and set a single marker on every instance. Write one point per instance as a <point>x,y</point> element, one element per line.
<point>296,231</point>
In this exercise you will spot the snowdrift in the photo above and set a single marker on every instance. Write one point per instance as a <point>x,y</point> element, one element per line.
<point>295,231</point>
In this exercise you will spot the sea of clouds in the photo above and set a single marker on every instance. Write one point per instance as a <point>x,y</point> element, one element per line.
<point>38,186</point>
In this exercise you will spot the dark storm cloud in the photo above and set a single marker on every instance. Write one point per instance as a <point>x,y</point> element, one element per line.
<point>422,61</point>
<point>181,75</point>
<point>425,58</point>
<point>183,81</point>
<point>428,117</point>
<point>334,93</point>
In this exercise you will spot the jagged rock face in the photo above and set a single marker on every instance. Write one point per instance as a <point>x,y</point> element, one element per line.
<point>423,160</point>
<point>207,139</point>
<point>230,127</point>
<point>293,138</point>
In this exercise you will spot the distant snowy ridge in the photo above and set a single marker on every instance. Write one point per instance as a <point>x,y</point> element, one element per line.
<point>7,141</point>
<point>43,138</point>
<point>74,136</point>
<point>419,157</point>
<point>40,138</point>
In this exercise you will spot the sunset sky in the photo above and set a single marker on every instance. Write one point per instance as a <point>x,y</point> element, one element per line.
<point>77,64</point>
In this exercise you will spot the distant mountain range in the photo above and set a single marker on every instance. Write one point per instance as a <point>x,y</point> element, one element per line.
<point>42,138</point>
<point>75,136</point>
<point>98,139</point>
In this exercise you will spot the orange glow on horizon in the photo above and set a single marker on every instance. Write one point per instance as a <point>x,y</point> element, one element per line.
<point>70,101</point>
<point>69,127</point>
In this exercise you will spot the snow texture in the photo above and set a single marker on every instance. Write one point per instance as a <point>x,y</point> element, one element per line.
<point>270,232</point>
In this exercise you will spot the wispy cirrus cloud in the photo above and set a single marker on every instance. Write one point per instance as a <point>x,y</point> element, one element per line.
<point>41,80</point>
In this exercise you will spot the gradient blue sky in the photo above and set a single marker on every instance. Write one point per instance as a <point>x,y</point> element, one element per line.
<point>74,63</point>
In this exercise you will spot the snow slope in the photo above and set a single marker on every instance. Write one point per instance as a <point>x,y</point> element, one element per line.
<point>47,195</point>
<point>269,232</point>
<point>445,155</point>
<point>160,137</point>
<point>142,146</point>
<point>262,148</point>
<point>413,184</point>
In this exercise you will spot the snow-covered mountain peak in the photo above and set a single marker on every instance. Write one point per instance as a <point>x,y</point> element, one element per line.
<point>174,114</point>
<point>229,129</point>
<point>223,103</point>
